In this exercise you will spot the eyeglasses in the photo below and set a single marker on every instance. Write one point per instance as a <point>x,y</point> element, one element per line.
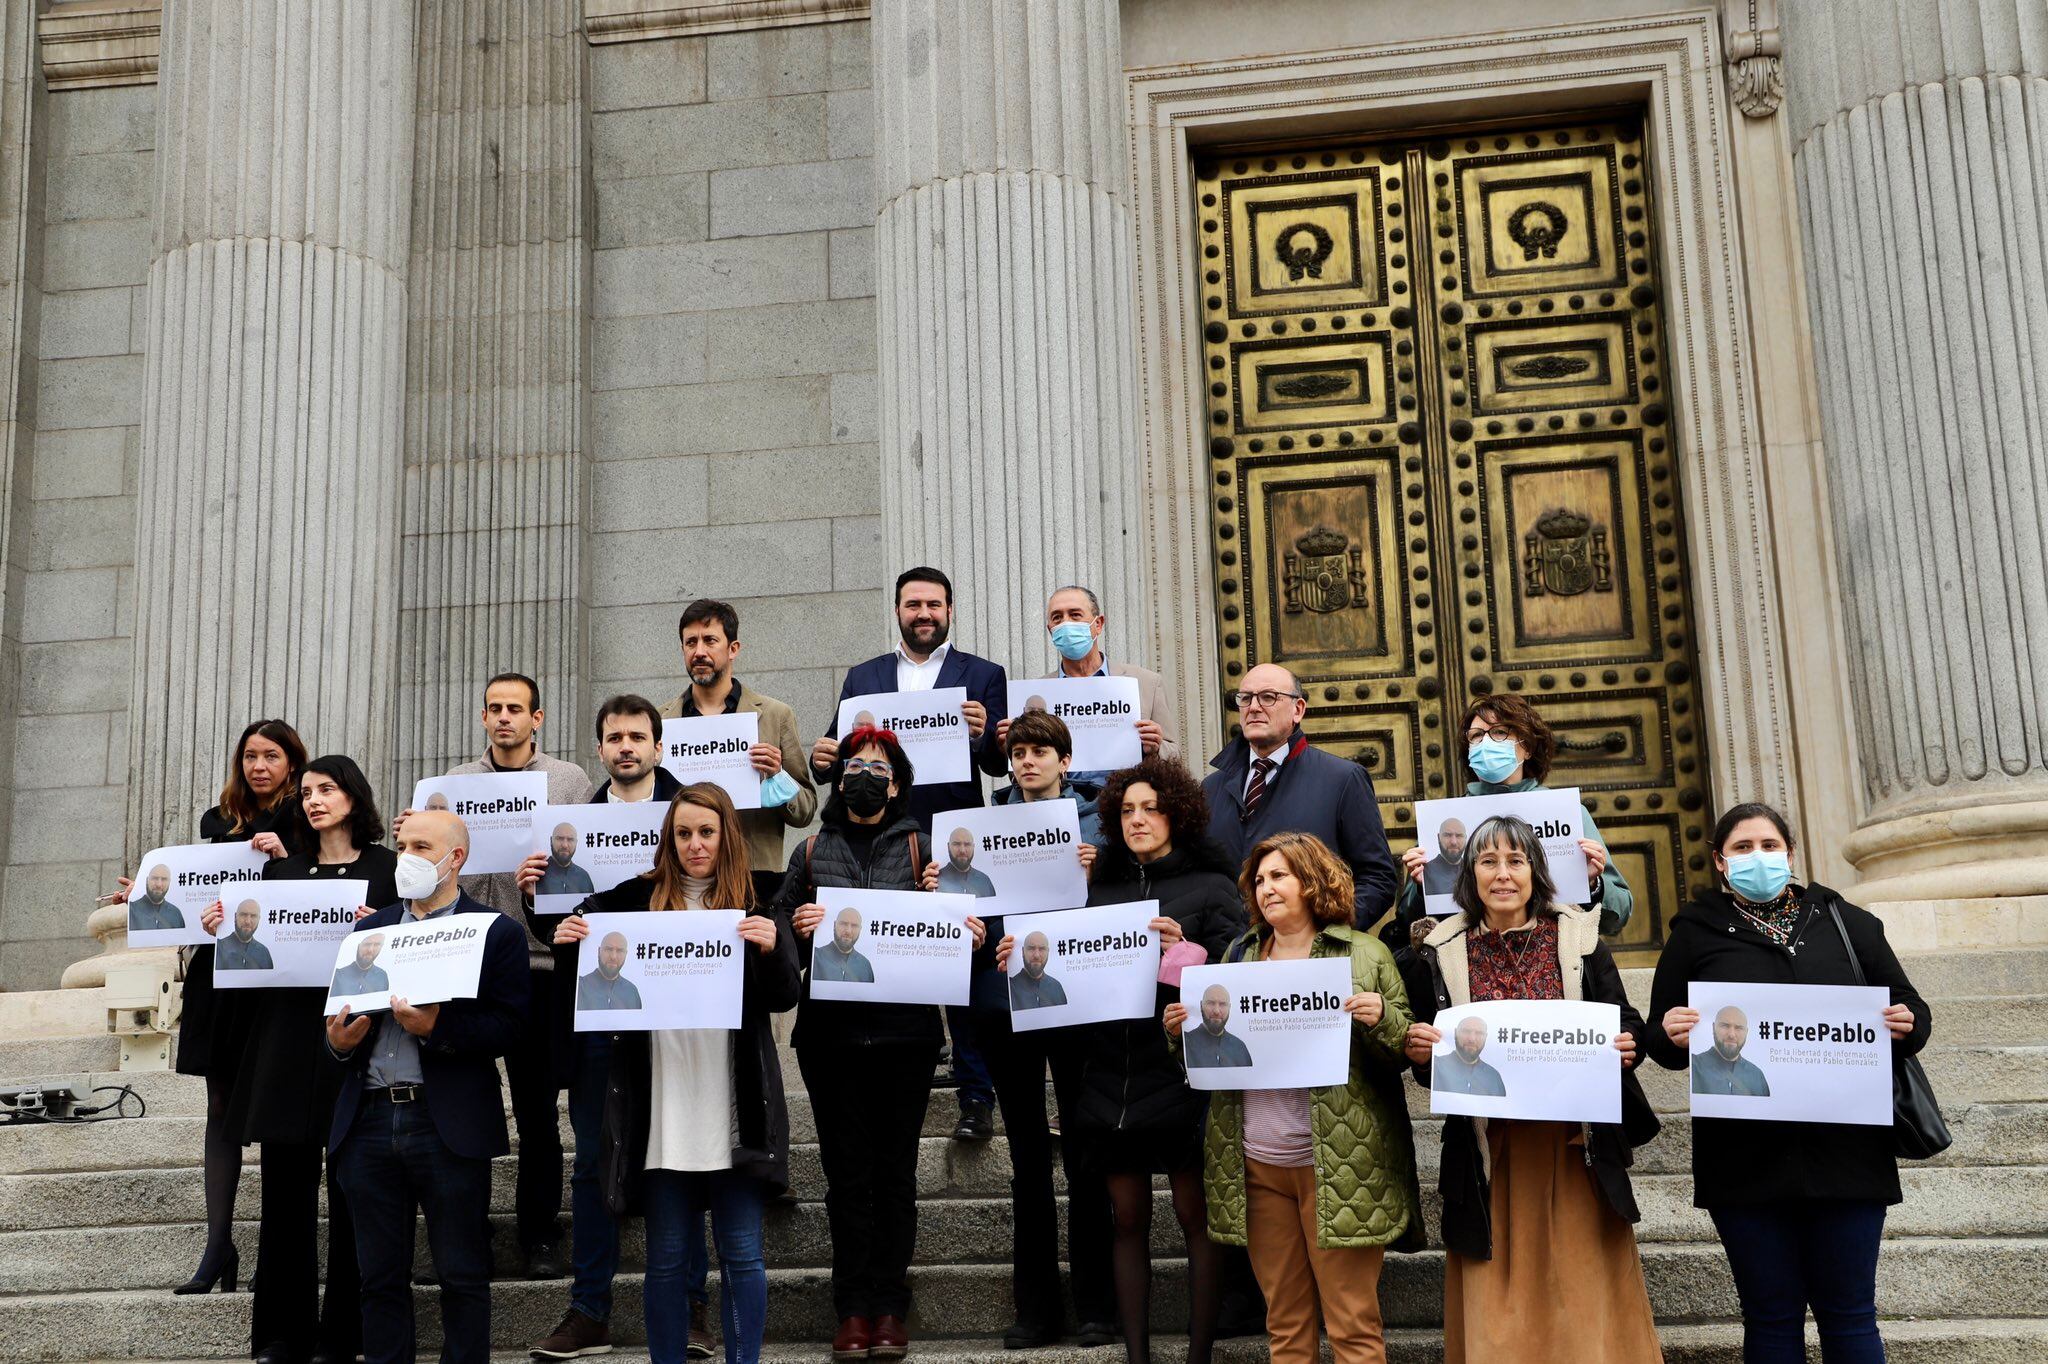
<point>1499,734</point>
<point>1264,700</point>
<point>856,766</point>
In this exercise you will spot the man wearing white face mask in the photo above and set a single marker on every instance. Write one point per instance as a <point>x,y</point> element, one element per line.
<point>420,1117</point>
<point>1074,619</point>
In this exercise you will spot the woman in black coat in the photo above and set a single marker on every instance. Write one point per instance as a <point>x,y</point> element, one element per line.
<point>258,805</point>
<point>283,1097</point>
<point>1132,1114</point>
<point>1800,1207</point>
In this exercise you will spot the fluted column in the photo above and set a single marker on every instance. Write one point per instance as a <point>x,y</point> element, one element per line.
<point>1003,285</point>
<point>497,483</point>
<point>1921,147</point>
<point>266,549</point>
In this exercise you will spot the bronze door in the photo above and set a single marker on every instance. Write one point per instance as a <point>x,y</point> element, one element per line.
<point>1442,466</point>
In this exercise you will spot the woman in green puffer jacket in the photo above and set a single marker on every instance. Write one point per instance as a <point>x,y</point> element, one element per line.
<point>1317,1183</point>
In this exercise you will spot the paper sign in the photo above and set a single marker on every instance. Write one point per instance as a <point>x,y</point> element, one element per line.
<point>500,810</point>
<point>1101,713</point>
<point>1442,826</point>
<point>1084,966</point>
<point>714,748</point>
<point>1267,1024</point>
<point>929,725</point>
<point>173,887</point>
<point>593,848</point>
<point>1019,858</point>
<point>1552,1059</point>
<point>1791,1053</point>
<point>892,946</point>
<point>284,933</point>
<point>422,961</point>
<point>638,972</point>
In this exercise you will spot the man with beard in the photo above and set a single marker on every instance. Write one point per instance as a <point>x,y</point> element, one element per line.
<point>1462,1072</point>
<point>1720,1069</point>
<point>363,976</point>
<point>1032,988</point>
<point>960,876</point>
<point>239,950</point>
<point>1440,875</point>
<point>606,988</point>
<point>837,960</point>
<point>1210,1045</point>
<point>562,876</point>
<point>153,910</point>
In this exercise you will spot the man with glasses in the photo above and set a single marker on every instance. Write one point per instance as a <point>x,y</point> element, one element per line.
<point>1270,781</point>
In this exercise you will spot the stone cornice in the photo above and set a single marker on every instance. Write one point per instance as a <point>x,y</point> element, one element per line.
<point>625,21</point>
<point>88,43</point>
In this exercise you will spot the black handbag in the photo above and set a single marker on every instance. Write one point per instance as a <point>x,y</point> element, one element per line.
<point>1918,1133</point>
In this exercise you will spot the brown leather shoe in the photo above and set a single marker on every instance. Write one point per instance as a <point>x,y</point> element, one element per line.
<point>854,1340</point>
<point>702,1344</point>
<point>576,1336</point>
<point>891,1340</point>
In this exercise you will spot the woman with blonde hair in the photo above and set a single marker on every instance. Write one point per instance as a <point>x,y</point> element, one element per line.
<point>1316,1183</point>
<point>694,1117</point>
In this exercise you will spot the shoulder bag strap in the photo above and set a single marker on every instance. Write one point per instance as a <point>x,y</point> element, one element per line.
<point>1855,964</point>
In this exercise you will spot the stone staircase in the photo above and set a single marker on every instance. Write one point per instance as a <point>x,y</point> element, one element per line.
<point>98,1221</point>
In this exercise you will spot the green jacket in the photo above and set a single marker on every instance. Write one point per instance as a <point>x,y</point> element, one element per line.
<point>1366,1190</point>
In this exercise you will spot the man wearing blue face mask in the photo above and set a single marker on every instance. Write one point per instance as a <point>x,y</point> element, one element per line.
<point>1074,618</point>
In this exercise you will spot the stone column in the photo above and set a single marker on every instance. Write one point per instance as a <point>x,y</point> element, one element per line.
<point>497,479</point>
<point>1921,155</point>
<point>266,547</point>
<point>1003,287</point>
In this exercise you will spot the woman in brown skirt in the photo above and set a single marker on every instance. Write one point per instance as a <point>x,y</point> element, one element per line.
<point>1541,1259</point>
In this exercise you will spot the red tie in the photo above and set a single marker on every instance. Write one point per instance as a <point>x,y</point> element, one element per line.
<point>1256,792</point>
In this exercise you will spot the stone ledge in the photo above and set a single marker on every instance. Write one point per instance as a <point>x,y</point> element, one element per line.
<point>87,44</point>
<point>626,21</point>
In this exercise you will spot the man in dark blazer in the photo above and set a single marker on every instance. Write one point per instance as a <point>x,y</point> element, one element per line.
<point>420,1114</point>
<point>1298,789</point>
<point>924,660</point>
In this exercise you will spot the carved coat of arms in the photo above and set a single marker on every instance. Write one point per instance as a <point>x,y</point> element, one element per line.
<point>1326,573</point>
<point>1566,555</point>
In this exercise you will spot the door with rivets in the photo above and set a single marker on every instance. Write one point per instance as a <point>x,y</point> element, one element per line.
<point>1440,448</point>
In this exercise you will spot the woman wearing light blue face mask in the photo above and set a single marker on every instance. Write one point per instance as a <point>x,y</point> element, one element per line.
<point>1508,748</point>
<point>1800,1207</point>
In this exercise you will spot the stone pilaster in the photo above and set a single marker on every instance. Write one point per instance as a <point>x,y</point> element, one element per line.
<point>1003,284</point>
<point>266,549</point>
<point>1921,152</point>
<point>497,483</point>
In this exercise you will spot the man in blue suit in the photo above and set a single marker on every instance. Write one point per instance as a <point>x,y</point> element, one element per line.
<point>420,1114</point>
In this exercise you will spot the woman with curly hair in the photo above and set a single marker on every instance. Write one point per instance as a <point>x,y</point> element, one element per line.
<point>1316,1183</point>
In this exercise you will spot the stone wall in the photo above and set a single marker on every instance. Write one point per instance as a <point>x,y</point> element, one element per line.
<point>732,421</point>
<point>70,732</point>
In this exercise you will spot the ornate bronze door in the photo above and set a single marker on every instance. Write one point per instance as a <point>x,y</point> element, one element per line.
<point>1442,465</point>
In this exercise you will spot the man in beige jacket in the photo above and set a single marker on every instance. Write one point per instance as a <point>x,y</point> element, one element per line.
<point>1075,621</point>
<point>710,636</point>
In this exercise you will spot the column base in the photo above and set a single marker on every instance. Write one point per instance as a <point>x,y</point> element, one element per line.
<point>109,925</point>
<point>1974,876</point>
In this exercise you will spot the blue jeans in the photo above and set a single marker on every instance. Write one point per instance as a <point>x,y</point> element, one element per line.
<point>392,1160</point>
<point>675,1205</point>
<point>1816,1252</point>
<point>970,1067</point>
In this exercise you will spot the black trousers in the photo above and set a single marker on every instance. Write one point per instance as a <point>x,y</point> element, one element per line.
<point>1017,1064</point>
<point>530,1076</point>
<point>870,1104</point>
<point>286,1307</point>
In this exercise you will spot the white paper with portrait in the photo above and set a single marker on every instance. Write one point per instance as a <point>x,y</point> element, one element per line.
<point>1284,1025</point>
<point>930,725</point>
<point>680,969</point>
<point>610,842</point>
<point>1807,1053</point>
<point>296,927</point>
<point>1101,713</point>
<point>1547,1059</point>
<point>1021,859</point>
<point>422,961</point>
<point>1557,816</point>
<point>715,748</point>
<point>1100,965</point>
<point>194,876</point>
<point>899,947</point>
<point>501,810</point>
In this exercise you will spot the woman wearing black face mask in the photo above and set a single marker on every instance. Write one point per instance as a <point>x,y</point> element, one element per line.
<point>868,1067</point>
